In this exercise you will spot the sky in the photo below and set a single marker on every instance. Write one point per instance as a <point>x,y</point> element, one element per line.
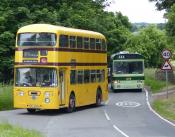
<point>138,10</point>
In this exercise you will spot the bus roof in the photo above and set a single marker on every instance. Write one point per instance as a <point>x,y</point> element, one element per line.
<point>55,29</point>
<point>126,55</point>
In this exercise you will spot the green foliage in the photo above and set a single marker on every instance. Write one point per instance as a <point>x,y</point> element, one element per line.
<point>170,27</point>
<point>7,130</point>
<point>149,42</point>
<point>155,85</point>
<point>150,81</point>
<point>163,4</point>
<point>138,26</point>
<point>6,95</point>
<point>83,14</point>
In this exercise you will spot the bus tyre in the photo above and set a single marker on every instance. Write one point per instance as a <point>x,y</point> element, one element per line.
<point>31,110</point>
<point>71,106</point>
<point>98,98</point>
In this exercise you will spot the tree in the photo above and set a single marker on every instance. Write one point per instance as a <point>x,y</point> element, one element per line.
<point>170,26</point>
<point>149,42</point>
<point>163,4</point>
<point>83,14</point>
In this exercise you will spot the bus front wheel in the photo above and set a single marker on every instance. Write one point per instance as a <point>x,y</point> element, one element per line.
<point>72,105</point>
<point>31,110</point>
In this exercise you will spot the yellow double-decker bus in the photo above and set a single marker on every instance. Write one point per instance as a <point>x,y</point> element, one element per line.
<point>58,67</point>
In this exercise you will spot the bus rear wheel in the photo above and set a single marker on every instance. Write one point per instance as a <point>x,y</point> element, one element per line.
<point>72,105</point>
<point>98,98</point>
<point>31,110</point>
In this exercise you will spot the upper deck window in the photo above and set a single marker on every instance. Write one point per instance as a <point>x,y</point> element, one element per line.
<point>64,41</point>
<point>104,45</point>
<point>36,39</point>
<point>79,42</point>
<point>72,41</point>
<point>92,43</point>
<point>86,43</point>
<point>98,44</point>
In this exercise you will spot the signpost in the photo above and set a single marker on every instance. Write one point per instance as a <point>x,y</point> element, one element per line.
<point>166,54</point>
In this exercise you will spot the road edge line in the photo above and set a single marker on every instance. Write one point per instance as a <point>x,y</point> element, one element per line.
<point>152,110</point>
<point>107,116</point>
<point>116,128</point>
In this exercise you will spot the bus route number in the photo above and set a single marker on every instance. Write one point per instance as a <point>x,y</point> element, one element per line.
<point>166,54</point>
<point>121,57</point>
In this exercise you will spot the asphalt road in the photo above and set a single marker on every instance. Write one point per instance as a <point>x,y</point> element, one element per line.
<point>126,114</point>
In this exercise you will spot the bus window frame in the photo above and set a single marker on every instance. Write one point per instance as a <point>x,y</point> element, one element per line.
<point>73,39</point>
<point>85,41</point>
<point>82,43</point>
<point>56,37</point>
<point>64,42</point>
<point>99,41</point>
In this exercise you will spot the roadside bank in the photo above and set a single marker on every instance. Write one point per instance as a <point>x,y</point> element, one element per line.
<point>164,103</point>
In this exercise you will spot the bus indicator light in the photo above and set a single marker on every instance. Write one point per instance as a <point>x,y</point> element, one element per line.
<point>43,60</point>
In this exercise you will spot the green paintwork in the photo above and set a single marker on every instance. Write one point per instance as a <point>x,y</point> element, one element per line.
<point>129,78</point>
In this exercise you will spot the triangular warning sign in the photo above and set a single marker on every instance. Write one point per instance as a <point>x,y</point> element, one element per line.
<point>166,66</point>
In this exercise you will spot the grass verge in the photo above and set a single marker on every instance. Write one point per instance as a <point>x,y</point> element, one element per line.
<point>165,107</point>
<point>6,98</point>
<point>156,85</point>
<point>7,130</point>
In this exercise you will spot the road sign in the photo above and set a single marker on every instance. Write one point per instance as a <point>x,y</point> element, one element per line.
<point>166,54</point>
<point>166,66</point>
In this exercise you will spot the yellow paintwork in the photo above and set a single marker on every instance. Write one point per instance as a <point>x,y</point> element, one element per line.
<point>84,93</point>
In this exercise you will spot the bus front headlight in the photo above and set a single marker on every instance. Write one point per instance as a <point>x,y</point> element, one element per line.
<point>139,81</point>
<point>47,100</point>
<point>116,81</point>
<point>47,94</point>
<point>21,93</point>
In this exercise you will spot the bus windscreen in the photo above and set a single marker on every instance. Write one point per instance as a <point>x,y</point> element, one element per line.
<point>123,67</point>
<point>36,77</point>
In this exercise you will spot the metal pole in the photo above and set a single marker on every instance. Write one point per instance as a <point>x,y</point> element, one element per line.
<point>166,83</point>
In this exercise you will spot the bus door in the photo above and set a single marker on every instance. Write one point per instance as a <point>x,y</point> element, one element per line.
<point>62,83</point>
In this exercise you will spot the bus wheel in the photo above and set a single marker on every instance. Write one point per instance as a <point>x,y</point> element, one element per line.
<point>31,110</point>
<point>98,97</point>
<point>71,106</point>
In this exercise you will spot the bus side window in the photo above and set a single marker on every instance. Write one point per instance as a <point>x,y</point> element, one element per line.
<point>86,76</point>
<point>102,75</point>
<point>80,76</point>
<point>63,41</point>
<point>99,76</point>
<point>73,77</point>
<point>92,43</point>
<point>98,44</point>
<point>93,76</point>
<point>86,43</point>
<point>72,41</point>
<point>79,42</point>
<point>103,45</point>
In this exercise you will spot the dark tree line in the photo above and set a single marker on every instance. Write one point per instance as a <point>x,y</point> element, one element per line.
<point>83,14</point>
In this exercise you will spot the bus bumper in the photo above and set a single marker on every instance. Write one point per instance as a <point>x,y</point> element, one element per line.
<point>37,100</point>
<point>128,86</point>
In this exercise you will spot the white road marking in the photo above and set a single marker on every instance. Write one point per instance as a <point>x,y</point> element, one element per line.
<point>128,104</point>
<point>107,101</point>
<point>116,128</point>
<point>151,109</point>
<point>107,116</point>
